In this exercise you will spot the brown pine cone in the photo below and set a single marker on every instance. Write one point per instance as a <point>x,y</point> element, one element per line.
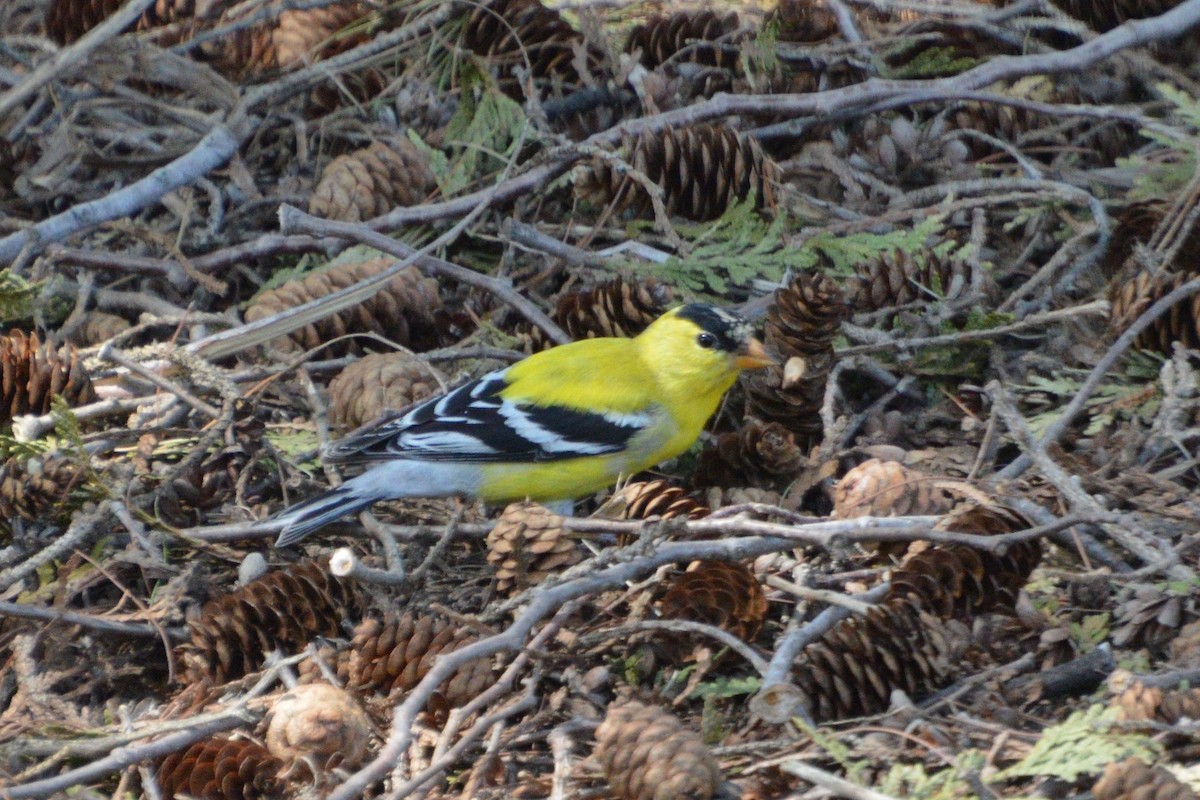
<point>34,374</point>
<point>379,383</point>
<point>620,307</point>
<point>1185,648</point>
<point>506,32</point>
<point>878,488</point>
<point>806,316</point>
<point>721,593</point>
<point>289,39</point>
<point>1133,779</point>
<point>68,20</point>
<point>284,609</point>
<point>44,488</point>
<point>403,310</point>
<point>959,582</point>
<point>1181,323</point>
<point>654,498</point>
<point>372,181</point>
<point>701,36</point>
<point>321,722</point>
<point>529,544</point>
<point>852,669</point>
<point>393,654</point>
<point>763,454</point>
<point>221,769</point>
<point>1138,702</point>
<point>647,754</point>
<point>894,279</point>
<point>1148,617</point>
<point>803,21</point>
<point>98,327</point>
<point>701,169</point>
<point>1104,15</point>
<point>801,325</point>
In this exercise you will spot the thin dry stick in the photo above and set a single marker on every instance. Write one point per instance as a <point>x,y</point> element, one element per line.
<point>1090,384</point>
<point>77,53</point>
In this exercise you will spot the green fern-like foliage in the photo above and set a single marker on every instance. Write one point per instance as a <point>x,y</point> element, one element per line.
<point>731,252</point>
<point>1130,391</point>
<point>1083,745</point>
<point>18,297</point>
<point>928,62</point>
<point>1163,171</point>
<point>482,135</point>
<point>845,253</point>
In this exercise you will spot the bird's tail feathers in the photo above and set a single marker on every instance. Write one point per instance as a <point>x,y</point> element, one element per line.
<point>303,518</point>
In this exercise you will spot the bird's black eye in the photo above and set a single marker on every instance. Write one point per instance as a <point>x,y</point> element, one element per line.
<point>706,340</point>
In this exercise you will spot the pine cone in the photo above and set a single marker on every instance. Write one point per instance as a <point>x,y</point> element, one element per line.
<point>647,754</point>
<point>1185,648</point>
<point>98,327</point>
<point>721,593</point>
<point>1142,703</point>
<point>378,383</point>
<point>318,721</point>
<point>803,21</point>
<point>620,307</point>
<point>1104,15</point>
<point>655,498</point>
<point>910,154</point>
<point>40,489</point>
<point>283,609</point>
<point>221,769</point>
<point>1147,617</point>
<point>1132,779</point>
<point>292,38</point>
<point>960,582</point>
<point>202,487</point>
<point>505,32</point>
<point>852,670</point>
<point>529,544</point>
<point>403,310</point>
<point>701,169</point>
<point>34,374</point>
<point>878,488</point>
<point>763,454</point>
<point>700,36</point>
<point>393,654</point>
<point>801,324</point>
<point>896,279</point>
<point>1180,324</point>
<point>372,181</point>
<point>68,20</point>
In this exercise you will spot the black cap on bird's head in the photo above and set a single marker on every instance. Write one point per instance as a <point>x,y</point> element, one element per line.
<point>732,333</point>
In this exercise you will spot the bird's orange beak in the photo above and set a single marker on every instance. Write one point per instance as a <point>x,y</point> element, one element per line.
<point>753,356</point>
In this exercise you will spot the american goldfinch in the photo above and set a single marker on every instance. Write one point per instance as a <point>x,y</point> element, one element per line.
<point>558,425</point>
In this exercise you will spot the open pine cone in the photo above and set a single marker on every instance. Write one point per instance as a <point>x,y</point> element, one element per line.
<point>219,769</point>
<point>1133,779</point>
<point>801,325</point>
<point>701,169</point>
<point>1131,298</point>
<point>378,383</point>
<point>285,609</point>
<point>402,310</point>
<point>647,754</point>
<point>528,544</point>
<point>393,654</point>
<point>372,181</point>
<point>35,373</point>
<point>721,593</point>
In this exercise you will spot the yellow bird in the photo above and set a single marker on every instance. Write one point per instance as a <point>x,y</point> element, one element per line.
<point>558,425</point>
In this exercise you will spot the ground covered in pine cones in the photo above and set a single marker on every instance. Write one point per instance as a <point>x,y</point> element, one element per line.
<point>948,547</point>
